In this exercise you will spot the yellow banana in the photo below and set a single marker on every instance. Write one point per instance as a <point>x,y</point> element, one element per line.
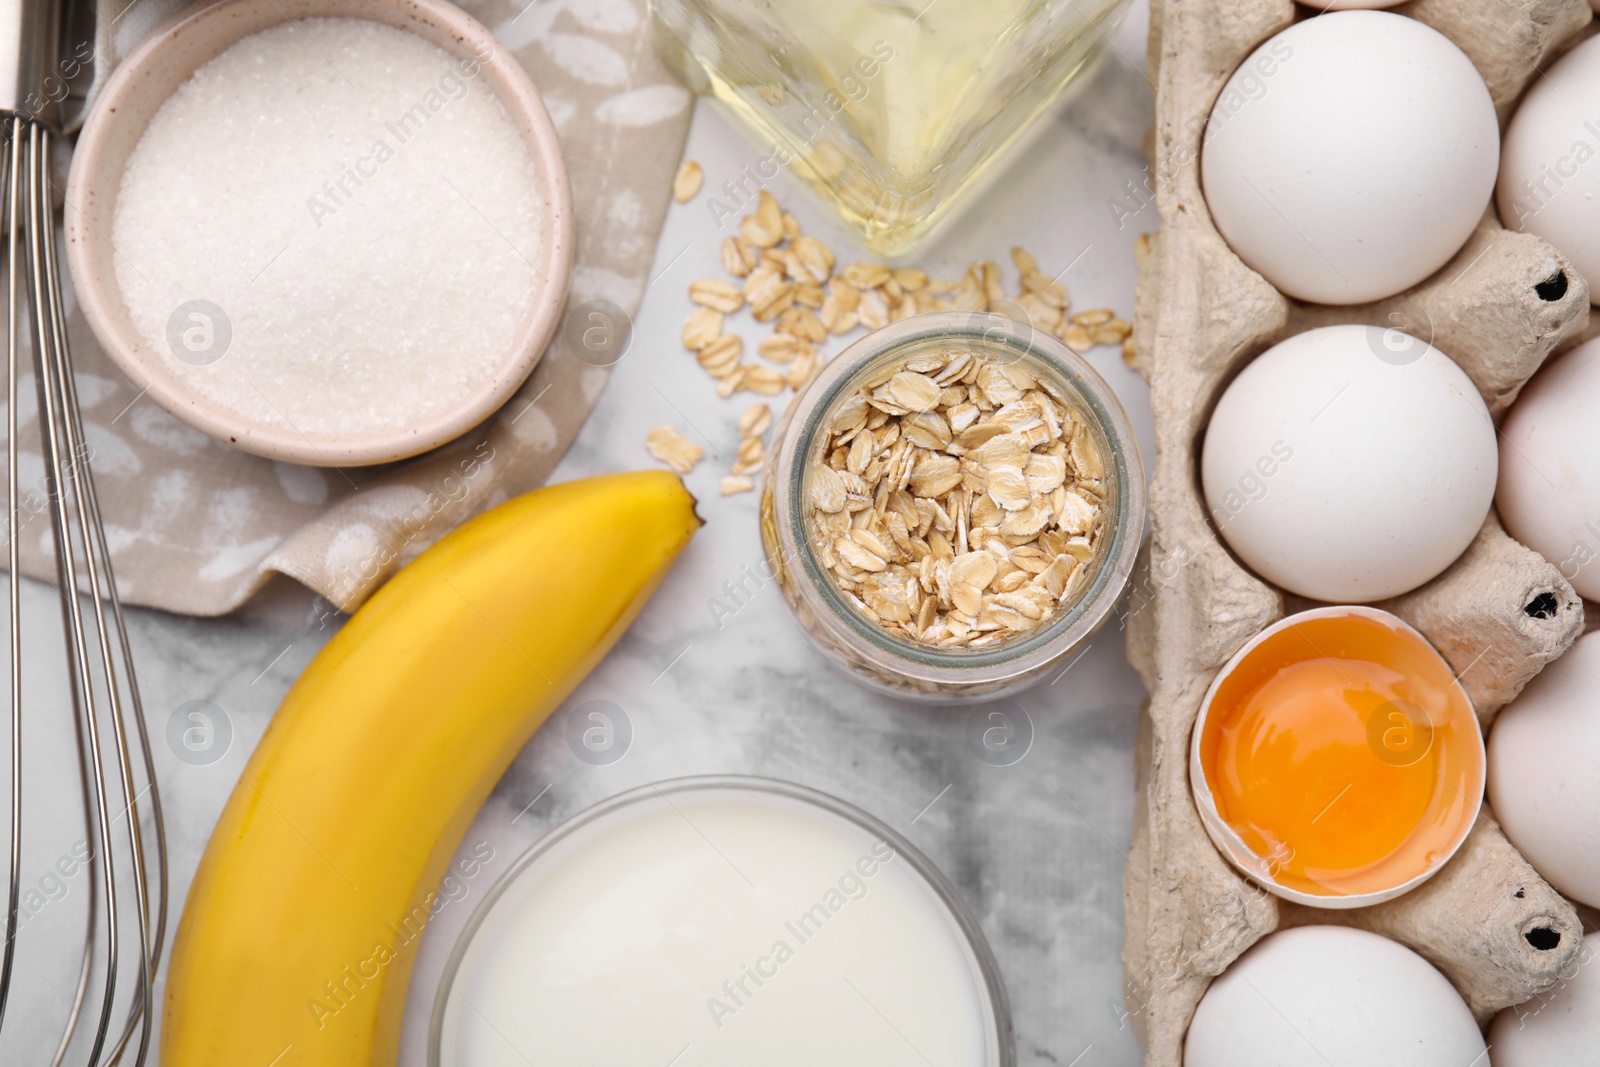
<point>301,926</point>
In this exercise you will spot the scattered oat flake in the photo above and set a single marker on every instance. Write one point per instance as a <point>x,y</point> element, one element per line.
<point>1077,338</point>
<point>721,356</point>
<point>672,448</point>
<point>755,420</point>
<point>751,451</point>
<point>764,228</point>
<point>687,181</point>
<point>716,294</point>
<point>782,347</point>
<point>914,466</point>
<point>735,483</point>
<point>703,326</point>
<point>764,380</point>
<point>737,257</point>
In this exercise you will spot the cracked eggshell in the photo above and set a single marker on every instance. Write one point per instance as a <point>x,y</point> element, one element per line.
<point>1316,995</point>
<point>1549,175</point>
<point>1348,468</point>
<point>1350,156</point>
<point>1549,493</point>
<point>1544,772</point>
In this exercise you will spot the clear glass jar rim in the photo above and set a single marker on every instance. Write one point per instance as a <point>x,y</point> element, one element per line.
<point>991,331</point>
<point>992,988</point>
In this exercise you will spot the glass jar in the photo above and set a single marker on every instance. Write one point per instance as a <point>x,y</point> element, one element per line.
<point>889,660</point>
<point>894,111</point>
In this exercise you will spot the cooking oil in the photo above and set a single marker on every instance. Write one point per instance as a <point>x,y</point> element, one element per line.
<point>896,112</point>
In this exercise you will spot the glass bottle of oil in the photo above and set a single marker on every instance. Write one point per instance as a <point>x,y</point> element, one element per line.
<point>894,111</point>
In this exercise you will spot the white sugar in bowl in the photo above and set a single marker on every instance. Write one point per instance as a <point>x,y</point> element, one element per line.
<point>319,262</point>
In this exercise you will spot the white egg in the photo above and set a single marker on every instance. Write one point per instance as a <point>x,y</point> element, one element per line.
<point>1320,995</point>
<point>1351,156</point>
<point>1549,495</point>
<point>1557,1027</point>
<point>1544,772</point>
<point>1550,166</point>
<point>1349,463</point>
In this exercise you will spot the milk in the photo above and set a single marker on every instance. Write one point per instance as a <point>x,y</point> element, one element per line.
<point>718,926</point>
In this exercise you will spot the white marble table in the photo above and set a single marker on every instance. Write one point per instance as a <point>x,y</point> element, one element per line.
<point>1036,847</point>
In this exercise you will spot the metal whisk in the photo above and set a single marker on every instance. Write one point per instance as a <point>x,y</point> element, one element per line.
<point>110,1013</point>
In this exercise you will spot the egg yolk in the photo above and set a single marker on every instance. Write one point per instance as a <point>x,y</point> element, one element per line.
<point>1344,755</point>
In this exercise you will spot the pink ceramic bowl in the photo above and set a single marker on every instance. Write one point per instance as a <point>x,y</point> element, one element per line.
<point>118,120</point>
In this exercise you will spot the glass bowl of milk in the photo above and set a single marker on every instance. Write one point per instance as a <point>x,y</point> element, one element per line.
<point>720,922</point>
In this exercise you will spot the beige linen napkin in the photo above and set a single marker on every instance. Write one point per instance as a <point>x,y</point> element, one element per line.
<point>197,527</point>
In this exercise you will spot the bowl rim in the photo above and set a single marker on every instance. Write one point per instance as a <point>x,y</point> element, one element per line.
<point>1232,846</point>
<point>91,177</point>
<point>989,983</point>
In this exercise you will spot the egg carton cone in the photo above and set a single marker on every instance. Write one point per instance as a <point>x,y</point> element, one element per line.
<point>1507,301</point>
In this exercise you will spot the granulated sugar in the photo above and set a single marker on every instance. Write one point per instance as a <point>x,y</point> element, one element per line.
<point>359,206</point>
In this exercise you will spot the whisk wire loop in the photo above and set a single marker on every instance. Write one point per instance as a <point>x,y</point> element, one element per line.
<point>110,731</point>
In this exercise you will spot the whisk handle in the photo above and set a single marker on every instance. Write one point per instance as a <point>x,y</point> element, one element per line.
<point>30,50</point>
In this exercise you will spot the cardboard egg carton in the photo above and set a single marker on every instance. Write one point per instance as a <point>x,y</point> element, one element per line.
<point>1498,615</point>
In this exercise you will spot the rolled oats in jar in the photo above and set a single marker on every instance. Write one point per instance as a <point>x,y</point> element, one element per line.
<point>953,506</point>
